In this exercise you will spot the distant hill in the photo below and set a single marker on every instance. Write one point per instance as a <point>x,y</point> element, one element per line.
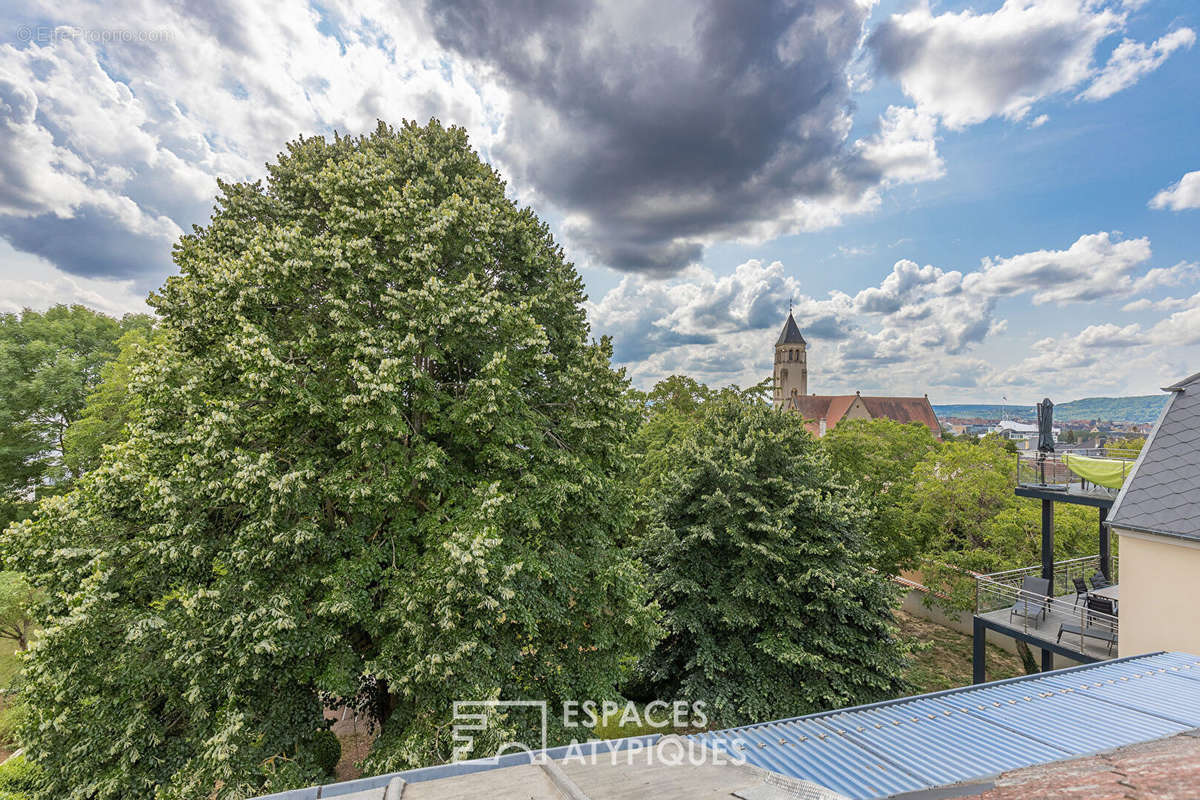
<point>1144,408</point>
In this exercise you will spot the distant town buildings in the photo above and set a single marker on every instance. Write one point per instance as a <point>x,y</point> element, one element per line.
<point>823,412</point>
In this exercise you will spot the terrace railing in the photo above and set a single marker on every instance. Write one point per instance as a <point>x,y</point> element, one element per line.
<point>1053,470</point>
<point>1064,573</point>
<point>1002,590</point>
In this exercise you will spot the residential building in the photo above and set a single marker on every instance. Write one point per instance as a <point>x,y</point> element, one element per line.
<point>1157,521</point>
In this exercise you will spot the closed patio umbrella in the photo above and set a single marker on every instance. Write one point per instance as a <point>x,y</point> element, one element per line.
<point>1045,415</point>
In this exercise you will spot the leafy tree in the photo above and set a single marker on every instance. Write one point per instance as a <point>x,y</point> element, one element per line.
<point>17,599</point>
<point>375,459</point>
<point>880,455</point>
<point>107,413</point>
<point>759,559</point>
<point>669,410</point>
<point>1129,446</point>
<point>49,362</point>
<point>963,506</point>
<point>1005,444</point>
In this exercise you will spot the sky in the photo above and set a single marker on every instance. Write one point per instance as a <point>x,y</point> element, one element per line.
<point>972,200</point>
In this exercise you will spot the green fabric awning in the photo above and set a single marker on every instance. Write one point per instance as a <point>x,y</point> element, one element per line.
<point>1107,472</point>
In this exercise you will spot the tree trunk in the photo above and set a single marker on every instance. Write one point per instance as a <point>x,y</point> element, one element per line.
<point>1027,659</point>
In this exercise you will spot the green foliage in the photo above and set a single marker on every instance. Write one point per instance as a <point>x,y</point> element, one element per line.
<point>760,561</point>
<point>19,779</point>
<point>1127,446</point>
<point>995,439</point>
<point>880,456</point>
<point>669,411</point>
<point>963,507</point>
<point>49,362</point>
<point>13,716</point>
<point>109,407</point>
<point>328,751</point>
<point>374,457</point>
<point>17,599</point>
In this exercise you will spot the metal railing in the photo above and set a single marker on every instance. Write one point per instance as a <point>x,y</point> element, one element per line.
<point>1064,573</point>
<point>1050,469</point>
<point>1002,590</point>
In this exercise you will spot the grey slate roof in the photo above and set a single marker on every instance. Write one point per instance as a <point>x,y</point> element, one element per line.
<point>1162,494</point>
<point>790,333</point>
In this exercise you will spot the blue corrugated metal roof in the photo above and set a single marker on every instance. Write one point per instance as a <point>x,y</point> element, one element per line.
<point>962,734</point>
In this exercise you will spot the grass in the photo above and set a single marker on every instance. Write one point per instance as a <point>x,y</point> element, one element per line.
<point>946,661</point>
<point>8,662</point>
<point>9,666</point>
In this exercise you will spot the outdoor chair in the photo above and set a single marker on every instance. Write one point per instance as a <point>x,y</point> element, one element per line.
<point>1101,605</point>
<point>1095,626</point>
<point>1081,591</point>
<point>1099,581</point>
<point>1032,600</point>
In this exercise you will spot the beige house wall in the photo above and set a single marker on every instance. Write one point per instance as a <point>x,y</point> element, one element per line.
<point>1160,576</point>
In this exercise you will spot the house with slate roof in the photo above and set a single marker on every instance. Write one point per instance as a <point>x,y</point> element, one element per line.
<point>823,412</point>
<point>1157,520</point>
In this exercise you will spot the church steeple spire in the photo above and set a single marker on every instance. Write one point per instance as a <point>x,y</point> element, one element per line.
<point>790,333</point>
<point>791,365</point>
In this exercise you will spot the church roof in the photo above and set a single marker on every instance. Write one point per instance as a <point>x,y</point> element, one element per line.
<point>832,408</point>
<point>791,332</point>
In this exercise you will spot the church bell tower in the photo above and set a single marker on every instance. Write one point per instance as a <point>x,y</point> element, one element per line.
<point>791,364</point>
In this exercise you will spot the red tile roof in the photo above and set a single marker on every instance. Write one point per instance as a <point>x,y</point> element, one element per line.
<point>832,408</point>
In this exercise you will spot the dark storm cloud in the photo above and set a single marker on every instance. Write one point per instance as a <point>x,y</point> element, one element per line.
<point>829,327</point>
<point>658,129</point>
<point>637,345</point>
<point>92,245</point>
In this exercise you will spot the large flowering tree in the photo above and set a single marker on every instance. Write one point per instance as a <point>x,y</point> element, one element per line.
<point>376,458</point>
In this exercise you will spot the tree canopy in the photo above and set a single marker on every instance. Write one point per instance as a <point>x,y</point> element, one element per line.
<point>962,506</point>
<point>49,362</point>
<point>375,459</point>
<point>880,455</point>
<point>761,563</point>
<point>109,407</point>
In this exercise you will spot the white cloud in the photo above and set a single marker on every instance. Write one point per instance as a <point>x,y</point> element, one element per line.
<point>1165,304</point>
<point>1183,195</point>
<point>905,149</point>
<point>32,282</point>
<point>967,67</point>
<point>1131,60</point>
<point>1094,267</point>
<point>115,146</point>
<point>918,329</point>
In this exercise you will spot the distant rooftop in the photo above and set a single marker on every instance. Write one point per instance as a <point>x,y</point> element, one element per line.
<point>1162,494</point>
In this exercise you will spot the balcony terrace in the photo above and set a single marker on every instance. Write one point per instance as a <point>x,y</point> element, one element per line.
<point>1090,635</point>
<point>1092,476</point>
